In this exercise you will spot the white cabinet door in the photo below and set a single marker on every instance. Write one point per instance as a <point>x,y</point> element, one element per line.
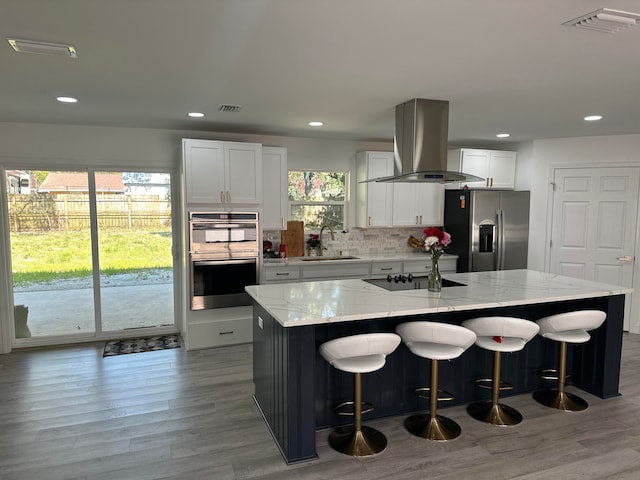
<point>476,162</point>
<point>222,172</point>
<point>243,172</point>
<point>446,264</point>
<point>405,205</point>
<point>418,204</point>
<point>203,171</point>
<point>275,210</point>
<point>280,274</point>
<point>322,272</point>
<point>502,169</point>
<point>374,200</point>
<point>385,268</point>
<point>430,202</point>
<point>497,167</point>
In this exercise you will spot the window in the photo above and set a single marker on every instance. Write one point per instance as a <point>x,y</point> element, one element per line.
<point>318,198</point>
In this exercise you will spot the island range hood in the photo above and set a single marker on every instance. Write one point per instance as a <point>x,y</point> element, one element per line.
<point>420,144</point>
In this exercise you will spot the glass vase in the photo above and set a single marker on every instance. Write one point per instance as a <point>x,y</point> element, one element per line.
<point>434,282</point>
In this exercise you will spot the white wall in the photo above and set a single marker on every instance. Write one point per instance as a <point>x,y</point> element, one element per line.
<point>70,145</point>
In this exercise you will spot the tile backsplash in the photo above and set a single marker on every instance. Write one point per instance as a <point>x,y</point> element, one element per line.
<point>356,241</point>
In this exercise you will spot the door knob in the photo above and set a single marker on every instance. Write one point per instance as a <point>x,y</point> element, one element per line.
<point>626,258</point>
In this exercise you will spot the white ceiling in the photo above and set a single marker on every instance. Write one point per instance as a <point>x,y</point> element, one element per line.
<point>504,65</point>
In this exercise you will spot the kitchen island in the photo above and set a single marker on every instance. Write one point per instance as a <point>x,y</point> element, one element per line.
<point>296,390</point>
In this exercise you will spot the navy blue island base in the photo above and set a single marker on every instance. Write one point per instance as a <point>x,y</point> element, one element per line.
<point>296,390</point>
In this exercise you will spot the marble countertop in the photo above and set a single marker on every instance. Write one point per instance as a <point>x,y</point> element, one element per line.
<point>312,303</point>
<point>390,257</point>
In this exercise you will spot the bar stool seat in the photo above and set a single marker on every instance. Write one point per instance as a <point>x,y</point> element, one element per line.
<point>435,341</point>
<point>358,354</point>
<point>570,327</point>
<point>499,334</point>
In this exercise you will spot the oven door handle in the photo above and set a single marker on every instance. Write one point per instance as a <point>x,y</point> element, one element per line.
<point>226,262</point>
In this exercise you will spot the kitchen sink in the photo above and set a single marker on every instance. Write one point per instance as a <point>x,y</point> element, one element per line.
<point>320,259</point>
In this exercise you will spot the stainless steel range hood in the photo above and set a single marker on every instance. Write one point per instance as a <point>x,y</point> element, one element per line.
<point>420,144</point>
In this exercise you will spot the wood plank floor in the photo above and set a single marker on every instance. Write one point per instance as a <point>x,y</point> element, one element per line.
<point>68,413</point>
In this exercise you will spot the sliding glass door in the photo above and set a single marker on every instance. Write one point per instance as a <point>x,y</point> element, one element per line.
<point>51,256</point>
<point>134,238</point>
<point>91,253</point>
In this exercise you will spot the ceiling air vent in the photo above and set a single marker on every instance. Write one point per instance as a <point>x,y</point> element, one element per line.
<point>605,20</point>
<point>229,108</point>
<point>43,48</point>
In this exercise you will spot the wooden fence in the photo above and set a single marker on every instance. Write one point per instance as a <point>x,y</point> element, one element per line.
<point>45,212</point>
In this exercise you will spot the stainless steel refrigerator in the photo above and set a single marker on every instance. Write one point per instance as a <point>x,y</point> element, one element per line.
<point>489,228</point>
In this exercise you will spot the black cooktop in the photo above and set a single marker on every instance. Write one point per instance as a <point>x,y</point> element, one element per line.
<point>407,282</point>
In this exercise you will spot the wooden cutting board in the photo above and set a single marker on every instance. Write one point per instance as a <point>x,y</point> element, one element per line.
<point>293,238</point>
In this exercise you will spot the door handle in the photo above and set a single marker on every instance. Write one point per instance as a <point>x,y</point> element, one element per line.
<point>626,258</point>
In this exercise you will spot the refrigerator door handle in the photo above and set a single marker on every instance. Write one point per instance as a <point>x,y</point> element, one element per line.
<point>500,222</point>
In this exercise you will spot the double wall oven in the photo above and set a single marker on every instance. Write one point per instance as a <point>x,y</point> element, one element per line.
<point>224,252</point>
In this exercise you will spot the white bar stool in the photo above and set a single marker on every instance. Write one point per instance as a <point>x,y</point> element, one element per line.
<point>359,354</point>
<point>435,341</point>
<point>499,334</point>
<point>571,327</point>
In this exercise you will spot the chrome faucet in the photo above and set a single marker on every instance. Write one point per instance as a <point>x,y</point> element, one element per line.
<point>332,237</point>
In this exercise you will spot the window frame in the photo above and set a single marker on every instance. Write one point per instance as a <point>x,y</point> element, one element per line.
<point>343,203</point>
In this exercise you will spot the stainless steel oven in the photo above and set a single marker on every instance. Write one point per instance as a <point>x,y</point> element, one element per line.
<point>224,254</point>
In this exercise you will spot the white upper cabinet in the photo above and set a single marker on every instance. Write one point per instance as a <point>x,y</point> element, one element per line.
<point>497,167</point>
<point>418,204</point>
<point>222,173</point>
<point>275,187</point>
<point>243,172</point>
<point>374,200</point>
<point>203,170</point>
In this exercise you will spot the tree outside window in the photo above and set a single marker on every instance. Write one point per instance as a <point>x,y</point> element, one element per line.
<point>318,198</point>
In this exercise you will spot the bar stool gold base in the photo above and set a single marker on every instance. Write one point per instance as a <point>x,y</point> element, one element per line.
<point>498,414</point>
<point>560,400</point>
<point>438,428</point>
<point>367,441</point>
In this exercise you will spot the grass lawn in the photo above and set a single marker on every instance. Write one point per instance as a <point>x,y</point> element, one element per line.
<point>45,257</point>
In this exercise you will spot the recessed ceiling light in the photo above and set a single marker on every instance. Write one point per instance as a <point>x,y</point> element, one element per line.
<point>503,135</point>
<point>196,114</point>
<point>67,99</point>
<point>593,118</point>
<point>316,124</point>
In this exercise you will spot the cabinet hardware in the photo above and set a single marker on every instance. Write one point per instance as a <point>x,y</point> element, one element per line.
<point>384,269</point>
<point>221,196</point>
<point>282,274</point>
<point>226,333</point>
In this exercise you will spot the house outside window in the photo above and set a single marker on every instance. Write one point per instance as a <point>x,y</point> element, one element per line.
<point>318,198</point>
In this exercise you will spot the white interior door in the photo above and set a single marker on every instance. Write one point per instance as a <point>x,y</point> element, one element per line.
<point>594,224</point>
